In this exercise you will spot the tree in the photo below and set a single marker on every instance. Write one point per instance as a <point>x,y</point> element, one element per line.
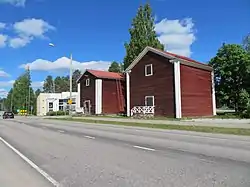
<point>61,84</point>
<point>21,96</point>
<point>48,85</point>
<point>246,43</point>
<point>76,75</point>
<point>115,67</point>
<point>8,101</point>
<point>231,69</point>
<point>142,34</point>
<point>37,92</point>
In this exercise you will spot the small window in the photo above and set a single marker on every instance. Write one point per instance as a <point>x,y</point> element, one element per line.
<point>87,82</point>
<point>50,105</point>
<point>149,70</point>
<point>149,101</point>
<point>61,108</point>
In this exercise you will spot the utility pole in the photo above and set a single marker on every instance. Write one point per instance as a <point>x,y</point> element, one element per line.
<point>28,111</point>
<point>70,85</point>
<point>11,100</point>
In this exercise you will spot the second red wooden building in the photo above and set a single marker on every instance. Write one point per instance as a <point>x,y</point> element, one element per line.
<point>102,92</point>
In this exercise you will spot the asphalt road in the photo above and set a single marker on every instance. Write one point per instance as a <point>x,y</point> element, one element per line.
<point>76,154</point>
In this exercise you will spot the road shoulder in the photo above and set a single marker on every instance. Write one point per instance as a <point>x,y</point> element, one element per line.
<point>15,172</point>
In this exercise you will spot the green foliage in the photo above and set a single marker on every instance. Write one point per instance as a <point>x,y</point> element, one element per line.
<point>244,104</point>
<point>231,69</point>
<point>76,75</point>
<point>21,96</point>
<point>37,92</point>
<point>48,85</point>
<point>58,113</point>
<point>61,83</point>
<point>246,43</point>
<point>115,67</point>
<point>142,34</point>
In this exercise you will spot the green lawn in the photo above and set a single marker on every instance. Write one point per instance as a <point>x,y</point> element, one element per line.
<point>207,129</point>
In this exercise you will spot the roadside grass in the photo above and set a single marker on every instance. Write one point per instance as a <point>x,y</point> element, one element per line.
<point>206,129</point>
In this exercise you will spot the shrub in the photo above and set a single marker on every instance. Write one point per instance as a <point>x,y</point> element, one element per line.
<point>57,113</point>
<point>244,104</point>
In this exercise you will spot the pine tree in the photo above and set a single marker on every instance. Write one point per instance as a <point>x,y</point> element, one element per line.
<point>48,86</point>
<point>21,96</point>
<point>142,34</point>
<point>115,67</point>
<point>76,75</point>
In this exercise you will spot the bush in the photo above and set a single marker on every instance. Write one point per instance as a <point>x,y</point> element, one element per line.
<point>244,104</point>
<point>58,113</point>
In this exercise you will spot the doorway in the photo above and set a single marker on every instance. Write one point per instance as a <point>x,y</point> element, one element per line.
<point>87,107</point>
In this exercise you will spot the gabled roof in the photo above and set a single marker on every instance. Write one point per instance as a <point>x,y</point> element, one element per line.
<point>172,56</point>
<point>103,74</point>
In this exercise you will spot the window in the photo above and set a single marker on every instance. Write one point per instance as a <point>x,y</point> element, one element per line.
<point>149,70</point>
<point>87,82</point>
<point>50,106</point>
<point>61,108</point>
<point>60,101</point>
<point>149,100</point>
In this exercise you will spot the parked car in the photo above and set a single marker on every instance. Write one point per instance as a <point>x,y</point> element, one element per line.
<point>8,115</point>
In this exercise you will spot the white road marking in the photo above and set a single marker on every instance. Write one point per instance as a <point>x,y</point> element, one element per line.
<point>89,137</point>
<point>144,148</point>
<point>61,131</point>
<point>32,164</point>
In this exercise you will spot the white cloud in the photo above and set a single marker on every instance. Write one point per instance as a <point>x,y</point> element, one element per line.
<point>27,30</point>
<point>3,40</point>
<point>19,42</point>
<point>37,84</point>
<point>7,83</point>
<point>32,27</point>
<point>3,93</point>
<point>14,2</point>
<point>2,25</point>
<point>176,35</point>
<point>64,63</point>
<point>3,74</point>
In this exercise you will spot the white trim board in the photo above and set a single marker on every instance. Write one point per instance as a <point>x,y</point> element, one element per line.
<point>213,94</point>
<point>128,92</point>
<point>98,96</point>
<point>177,84</point>
<point>163,54</point>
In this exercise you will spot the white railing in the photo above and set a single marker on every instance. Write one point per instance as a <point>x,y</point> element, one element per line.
<point>142,110</point>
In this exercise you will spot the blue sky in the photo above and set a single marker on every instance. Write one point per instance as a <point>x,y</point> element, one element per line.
<point>95,32</point>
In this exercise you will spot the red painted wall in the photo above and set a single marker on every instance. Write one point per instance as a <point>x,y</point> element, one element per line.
<point>196,92</point>
<point>160,84</point>
<point>113,101</point>
<point>88,92</point>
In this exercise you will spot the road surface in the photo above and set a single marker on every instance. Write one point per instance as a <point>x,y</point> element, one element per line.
<point>77,154</point>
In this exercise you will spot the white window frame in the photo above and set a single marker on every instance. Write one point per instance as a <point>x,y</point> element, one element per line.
<point>148,96</point>
<point>87,82</point>
<point>151,67</point>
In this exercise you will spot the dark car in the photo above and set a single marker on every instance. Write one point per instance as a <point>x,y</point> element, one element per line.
<point>7,115</point>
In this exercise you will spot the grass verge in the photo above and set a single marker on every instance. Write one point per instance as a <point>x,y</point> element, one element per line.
<point>207,129</point>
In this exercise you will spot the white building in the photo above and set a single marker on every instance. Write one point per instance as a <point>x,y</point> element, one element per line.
<point>47,102</point>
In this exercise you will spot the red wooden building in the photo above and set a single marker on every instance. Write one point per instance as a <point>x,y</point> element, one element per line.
<point>166,84</point>
<point>102,92</point>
